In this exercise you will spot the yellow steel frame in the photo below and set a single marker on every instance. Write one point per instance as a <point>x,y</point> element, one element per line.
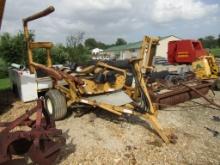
<point>33,45</point>
<point>206,67</point>
<point>73,91</point>
<point>147,53</point>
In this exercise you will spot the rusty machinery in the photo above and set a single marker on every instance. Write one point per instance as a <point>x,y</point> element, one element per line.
<point>99,85</point>
<point>37,138</point>
<point>166,92</point>
<point>202,62</point>
<point>163,92</point>
<point>192,52</point>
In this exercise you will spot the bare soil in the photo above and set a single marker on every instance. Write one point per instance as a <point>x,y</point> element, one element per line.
<point>101,138</point>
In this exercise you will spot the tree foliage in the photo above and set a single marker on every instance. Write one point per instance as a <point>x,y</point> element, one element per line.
<point>59,54</point>
<point>218,41</point>
<point>120,41</point>
<point>76,52</point>
<point>91,43</point>
<point>13,48</point>
<point>3,69</point>
<point>210,41</point>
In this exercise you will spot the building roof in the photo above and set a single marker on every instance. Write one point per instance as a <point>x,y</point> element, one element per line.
<point>134,45</point>
<point>128,46</point>
<point>165,37</point>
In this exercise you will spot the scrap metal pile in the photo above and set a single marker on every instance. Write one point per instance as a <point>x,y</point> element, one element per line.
<point>37,138</point>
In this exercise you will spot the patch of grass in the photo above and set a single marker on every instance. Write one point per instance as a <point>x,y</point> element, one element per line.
<point>3,74</point>
<point>216,52</point>
<point>3,69</point>
<point>5,83</point>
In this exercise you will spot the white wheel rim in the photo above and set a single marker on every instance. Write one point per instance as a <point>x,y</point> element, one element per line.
<point>49,106</point>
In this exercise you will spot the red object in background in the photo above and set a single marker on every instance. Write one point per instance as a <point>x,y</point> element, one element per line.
<point>185,51</point>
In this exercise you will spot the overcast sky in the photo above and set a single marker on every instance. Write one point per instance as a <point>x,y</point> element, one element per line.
<point>107,20</point>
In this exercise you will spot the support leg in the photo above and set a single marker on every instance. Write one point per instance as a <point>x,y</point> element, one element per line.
<point>151,119</point>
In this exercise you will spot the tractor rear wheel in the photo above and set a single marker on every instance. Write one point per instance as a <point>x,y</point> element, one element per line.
<point>55,103</point>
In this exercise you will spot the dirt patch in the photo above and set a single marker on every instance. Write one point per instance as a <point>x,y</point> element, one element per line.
<point>102,138</point>
<point>11,107</point>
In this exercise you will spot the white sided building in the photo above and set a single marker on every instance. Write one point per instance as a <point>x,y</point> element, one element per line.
<point>132,49</point>
<point>96,51</point>
<point>162,48</point>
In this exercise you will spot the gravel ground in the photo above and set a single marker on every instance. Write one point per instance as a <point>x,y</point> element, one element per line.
<point>102,138</point>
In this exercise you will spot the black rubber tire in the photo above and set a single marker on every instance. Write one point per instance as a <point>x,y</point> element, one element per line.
<point>58,104</point>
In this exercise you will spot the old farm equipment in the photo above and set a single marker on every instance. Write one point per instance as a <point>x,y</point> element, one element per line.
<point>192,52</point>
<point>33,134</point>
<point>37,138</point>
<point>202,62</point>
<point>99,85</point>
<point>167,88</point>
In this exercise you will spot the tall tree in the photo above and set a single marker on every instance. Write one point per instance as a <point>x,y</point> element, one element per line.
<point>59,54</point>
<point>202,41</point>
<point>74,40</point>
<point>91,43</point>
<point>101,45</point>
<point>77,53</point>
<point>13,48</point>
<point>210,42</point>
<point>120,41</point>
